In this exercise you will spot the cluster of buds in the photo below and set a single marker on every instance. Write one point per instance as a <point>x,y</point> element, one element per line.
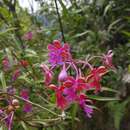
<point>73,87</point>
<point>13,106</point>
<point>7,113</point>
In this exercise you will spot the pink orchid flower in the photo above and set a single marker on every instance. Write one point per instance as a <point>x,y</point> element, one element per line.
<point>48,73</point>
<point>60,98</point>
<point>28,36</point>
<point>94,77</point>
<point>78,84</point>
<point>25,95</point>
<point>83,103</point>
<point>58,53</point>
<point>107,59</point>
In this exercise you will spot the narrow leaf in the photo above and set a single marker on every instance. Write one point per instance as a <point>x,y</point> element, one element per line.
<point>2,78</point>
<point>99,98</point>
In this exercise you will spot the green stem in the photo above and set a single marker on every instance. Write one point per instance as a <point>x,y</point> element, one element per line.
<point>60,22</point>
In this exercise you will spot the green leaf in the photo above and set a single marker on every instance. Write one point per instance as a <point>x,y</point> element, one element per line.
<point>23,77</point>
<point>83,33</point>
<point>106,89</point>
<point>9,55</point>
<point>126,33</point>
<point>99,98</point>
<point>100,2</point>
<point>109,89</point>
<point>129,68</point>
<point>30,53</point>
<point>7,30</point>
<point>107,8</point>
<point>118,110</point>
<point>1,128</point>
<point>113,24</point>
<point>2,78</point>
<point>24,125</point>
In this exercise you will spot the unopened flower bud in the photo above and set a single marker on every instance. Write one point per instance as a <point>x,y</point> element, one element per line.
<point>15,102</point>
<point>63,74</point>
<point>10,108</point>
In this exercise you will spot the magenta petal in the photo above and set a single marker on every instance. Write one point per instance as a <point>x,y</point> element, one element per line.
<point>88,110</point>
<point>66,46</point>
<point>48,73</point>
<point>61,101</point>
<point>107,59</point>
<point>1,112</point>
<point>58,53</point>
<point>16,74</point>
<point>27,107</point>
<point>9,120</point>
<point>11,90</point>
<point>51,47</point>
<point>70,95</point>
<point>6,64</point>
<point>48,78</point>
<point>24,94</point>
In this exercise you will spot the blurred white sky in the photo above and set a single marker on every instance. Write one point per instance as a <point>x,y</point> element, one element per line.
<point>28,3</point>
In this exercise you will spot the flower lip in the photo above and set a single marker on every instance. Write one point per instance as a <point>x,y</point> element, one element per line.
<point>63,74</point>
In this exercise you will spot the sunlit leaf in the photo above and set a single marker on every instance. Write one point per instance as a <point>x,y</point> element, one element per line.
<point>9,55</point>
<point>107,8</point>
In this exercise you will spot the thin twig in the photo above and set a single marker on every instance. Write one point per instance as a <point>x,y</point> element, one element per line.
<point>35,104</point>
<point>60,22</point>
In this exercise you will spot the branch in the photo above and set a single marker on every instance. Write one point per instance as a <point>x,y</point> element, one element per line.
<point>34,104</point>
<point>60,22</point>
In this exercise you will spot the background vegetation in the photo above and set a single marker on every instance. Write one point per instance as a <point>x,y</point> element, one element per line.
<point>91,27</point>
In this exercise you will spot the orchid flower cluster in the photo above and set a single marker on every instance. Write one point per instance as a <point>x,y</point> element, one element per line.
<point>73,87</point>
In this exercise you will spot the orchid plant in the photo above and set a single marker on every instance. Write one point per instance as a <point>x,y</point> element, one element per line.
<point>71,86</point>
